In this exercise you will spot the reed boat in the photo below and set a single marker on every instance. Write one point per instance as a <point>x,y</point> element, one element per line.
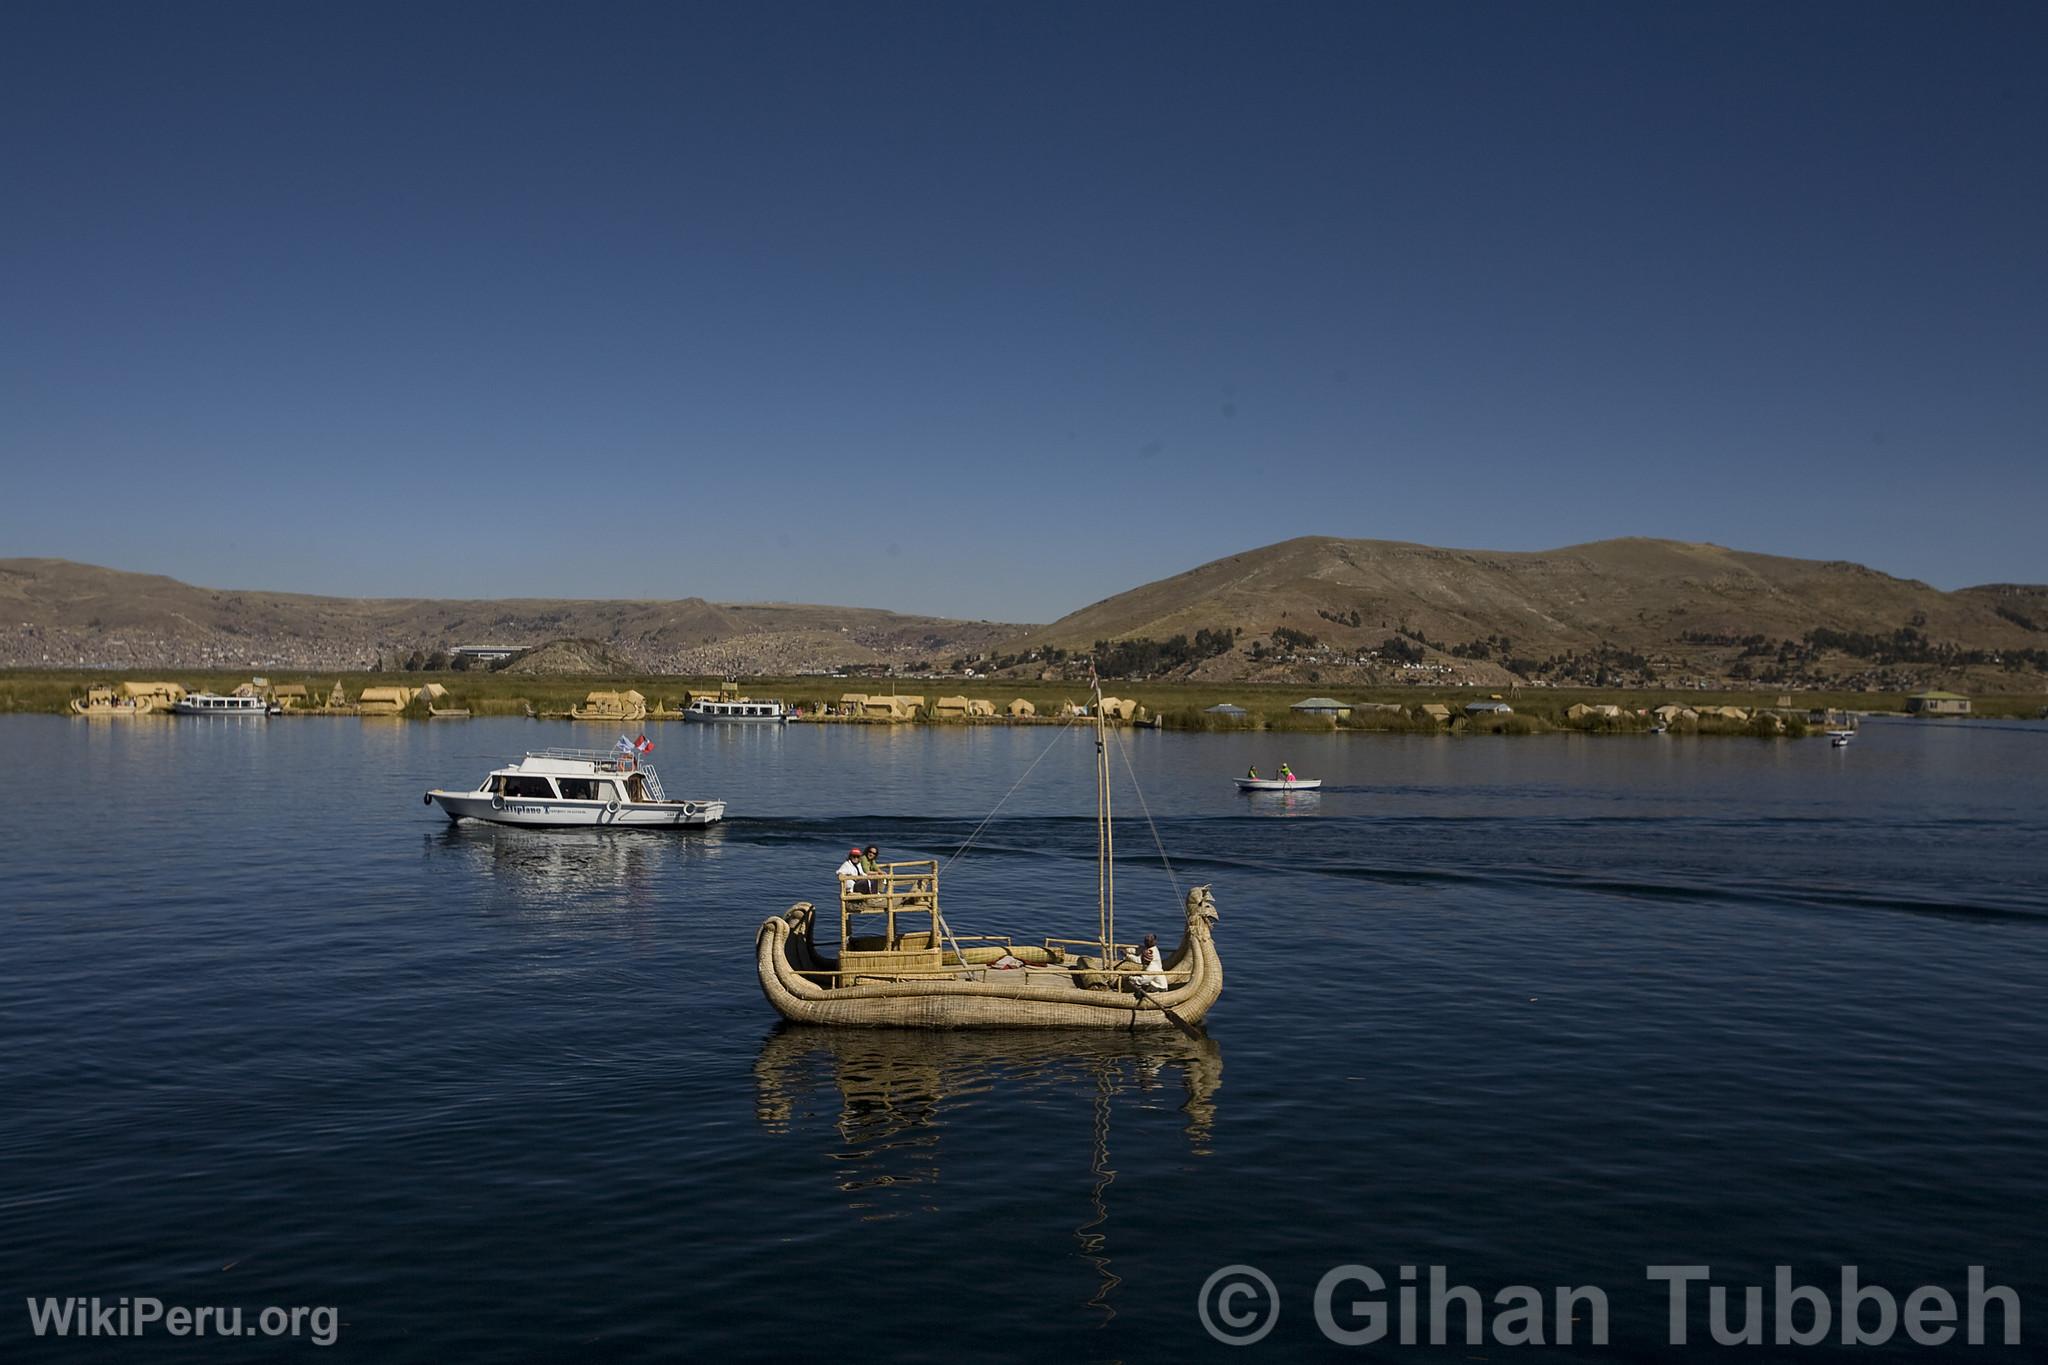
<point>108,701</point>
<point>917,973</point>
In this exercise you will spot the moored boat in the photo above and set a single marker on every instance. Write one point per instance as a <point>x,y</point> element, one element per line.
<point>109,701</point>
<point>213,704</point>
<point>1278,784</point>
<point>741,710</point>
<point>576,788</point>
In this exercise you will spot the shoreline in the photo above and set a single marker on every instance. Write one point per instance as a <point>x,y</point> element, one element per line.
<point>1180,706</point>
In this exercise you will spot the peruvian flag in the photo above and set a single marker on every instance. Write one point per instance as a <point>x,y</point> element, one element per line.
<point>644,744</point>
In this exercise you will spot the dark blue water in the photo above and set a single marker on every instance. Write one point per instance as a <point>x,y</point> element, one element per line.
<point>1541,1011</point>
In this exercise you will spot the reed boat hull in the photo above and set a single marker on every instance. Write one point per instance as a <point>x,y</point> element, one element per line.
<point>536,813</point>
<point>784,951</point>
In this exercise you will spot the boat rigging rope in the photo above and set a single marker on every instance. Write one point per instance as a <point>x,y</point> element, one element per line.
<point>969,842</point>
<point>1157,842</point>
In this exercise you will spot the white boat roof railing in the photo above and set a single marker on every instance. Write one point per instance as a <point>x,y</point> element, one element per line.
<point>598,756</point>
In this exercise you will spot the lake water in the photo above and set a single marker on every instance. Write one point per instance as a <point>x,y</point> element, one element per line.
<point>1542,1011</point>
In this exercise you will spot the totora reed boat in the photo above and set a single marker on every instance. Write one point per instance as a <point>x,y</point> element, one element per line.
<point>917,973</point>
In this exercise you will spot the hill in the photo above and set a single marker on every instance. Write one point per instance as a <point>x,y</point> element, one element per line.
<point>1615,612</point>
<point>59,613</point>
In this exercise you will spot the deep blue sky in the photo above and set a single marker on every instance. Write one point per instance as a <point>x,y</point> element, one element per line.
<point>994,310</point>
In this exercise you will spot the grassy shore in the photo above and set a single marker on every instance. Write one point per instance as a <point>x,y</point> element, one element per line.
<point>1182,706</point>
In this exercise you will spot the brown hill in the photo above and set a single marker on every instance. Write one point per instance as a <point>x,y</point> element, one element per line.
<point>61,613</point>
<point>1682,608</point>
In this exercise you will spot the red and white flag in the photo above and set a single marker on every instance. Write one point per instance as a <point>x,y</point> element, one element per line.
<point>644,744</point>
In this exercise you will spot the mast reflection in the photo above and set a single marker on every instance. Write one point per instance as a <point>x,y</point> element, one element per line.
<point>890,1095</point>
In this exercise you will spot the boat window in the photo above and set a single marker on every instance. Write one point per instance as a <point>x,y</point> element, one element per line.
<point>528,787</point>
<point>609,791</point>
<point>579,789</point>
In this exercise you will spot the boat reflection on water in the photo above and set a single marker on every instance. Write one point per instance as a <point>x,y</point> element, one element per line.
<point>562,867</point>
<point>891,1094</point>
<point>1282,803</point>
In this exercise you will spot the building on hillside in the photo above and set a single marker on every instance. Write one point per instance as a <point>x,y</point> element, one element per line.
<point>487,654</point>
<point>1321,706</point>
<point>1932,703</point>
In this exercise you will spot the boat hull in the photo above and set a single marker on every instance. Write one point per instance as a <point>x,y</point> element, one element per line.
<point>784,951</point>
<point>699,718</point>
<point>551,813</point>
<point>1274,784</point>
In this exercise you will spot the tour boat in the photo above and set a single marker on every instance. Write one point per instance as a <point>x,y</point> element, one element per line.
<point>1840,738</point>
<point>917,973</point>
<point>741,710</point>
<point>213,704</point>
<point>572,788</point>
<point>1278,784</point>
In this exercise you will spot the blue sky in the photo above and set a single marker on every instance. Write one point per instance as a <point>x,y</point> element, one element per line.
<point>997,310</point>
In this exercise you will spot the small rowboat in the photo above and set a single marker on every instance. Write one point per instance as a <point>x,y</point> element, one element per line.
<point>1278,784</point>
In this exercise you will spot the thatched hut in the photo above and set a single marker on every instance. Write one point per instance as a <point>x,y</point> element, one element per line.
<point>336,697</point>
<point>950,708</point>
<point>1020,709</point>
<point>1119,708</point>
<point>980,706</point>
<point>291,696</point>
<point>383,701</point>
<point>619,706</point>
<point>161,696</point>
<point>1436,711</point>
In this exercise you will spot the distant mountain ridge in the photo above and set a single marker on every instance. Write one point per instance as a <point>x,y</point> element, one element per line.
<point>1678,607</point>
<point>60,613</point>
<point>1316,608</point>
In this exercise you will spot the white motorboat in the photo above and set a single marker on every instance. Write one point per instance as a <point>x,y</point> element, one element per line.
<point>1840,738</point>
<point>213,704</point>
<point>1278,784</point>
<point>576,788</point>
<point>741,710</point>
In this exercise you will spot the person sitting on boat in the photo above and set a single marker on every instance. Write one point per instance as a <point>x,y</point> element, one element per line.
<point>871,870</point>
<point>1152,978</point>
<point>1251,774</point>
<point>848,873</point>
<point>1286,773</point>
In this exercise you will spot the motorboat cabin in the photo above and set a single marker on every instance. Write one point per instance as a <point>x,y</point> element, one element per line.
<point>213,704</point>
<point>742,709</point>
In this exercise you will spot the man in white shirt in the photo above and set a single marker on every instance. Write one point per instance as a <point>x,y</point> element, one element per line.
<point>848,872</point>
<point>1148,958</point>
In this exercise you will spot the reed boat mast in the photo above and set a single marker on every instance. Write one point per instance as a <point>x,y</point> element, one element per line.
<point>1105,839</point>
